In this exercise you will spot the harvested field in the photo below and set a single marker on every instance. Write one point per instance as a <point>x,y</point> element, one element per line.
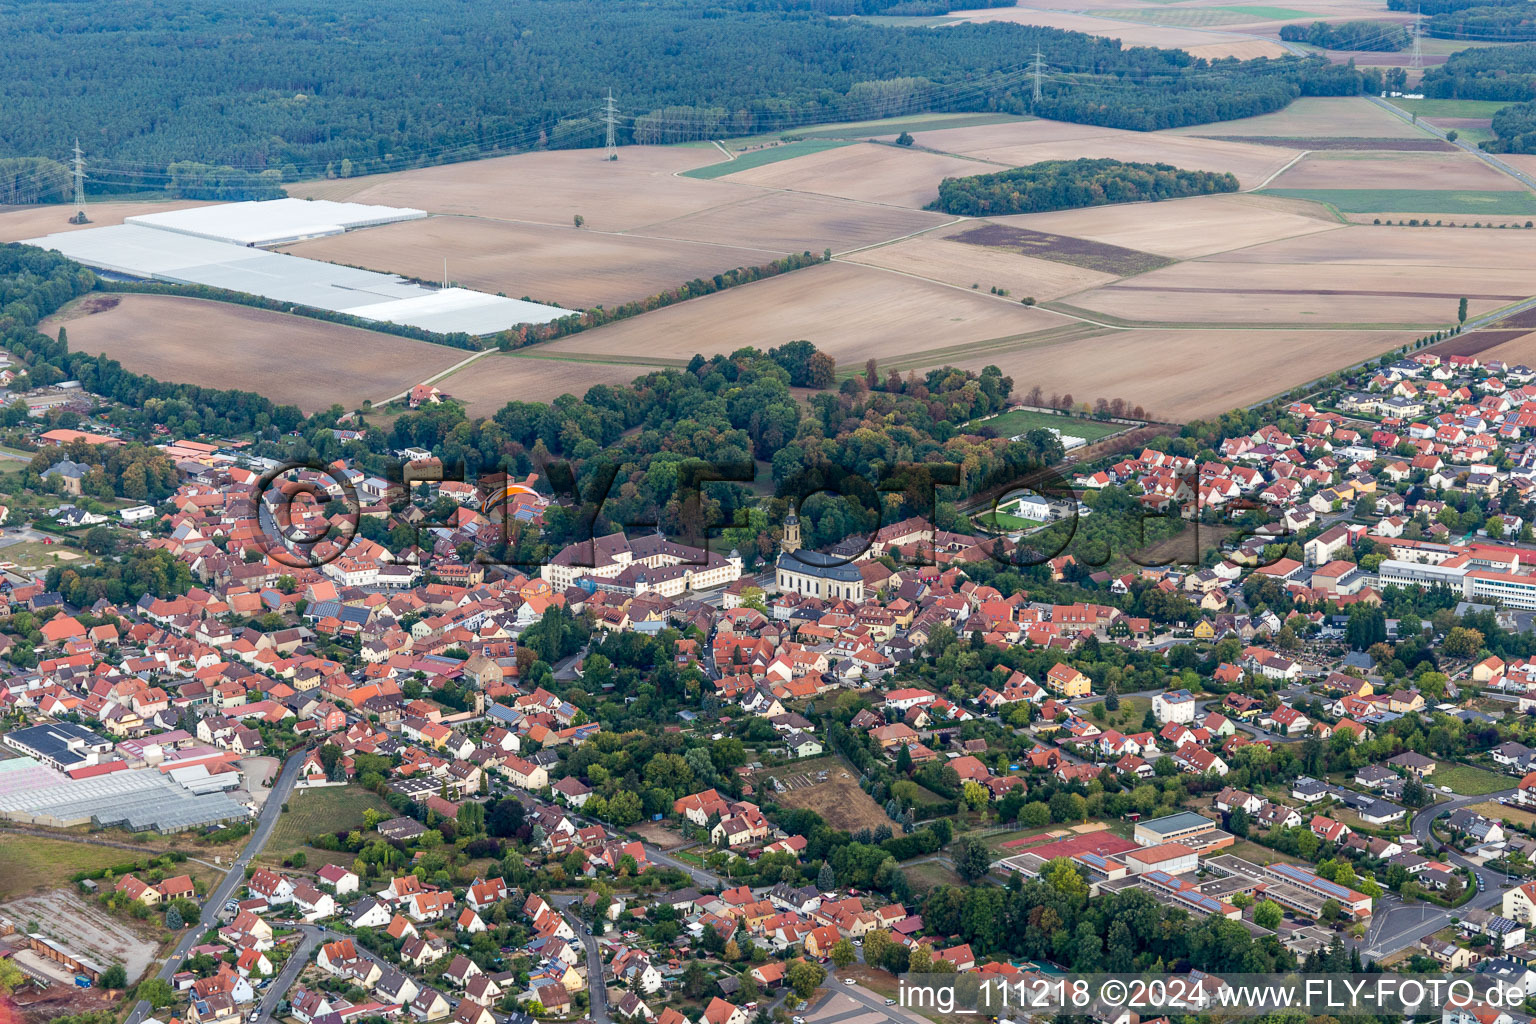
<point>1339,170</point>
<point>549,188</point>
<point>1186,228</point>
<point>1314,117</point>
<point>1185,374</point>
<point>1102,258</point>
<point>850,312</point>
<point>1402,246</point>
<point>1213,291</point>
<point>1200,43</point>
<point>789,222</point>
<point>18,222</point>
<point>1390,145</point>
<point>576,269</point>
<point>866,171</point>
<point>1029,142</point>
<point>827,786</point>
<point>490,383</point>
<point>958,263</point>
<point>83,928</point>
<point>1464,203</point>
<point>293,360</point>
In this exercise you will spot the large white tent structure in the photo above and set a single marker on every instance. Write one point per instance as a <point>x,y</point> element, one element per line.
<point>217,246</point>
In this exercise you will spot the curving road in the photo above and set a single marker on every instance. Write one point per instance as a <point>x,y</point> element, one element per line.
<point>214,904</point>
<point>1398,923</point>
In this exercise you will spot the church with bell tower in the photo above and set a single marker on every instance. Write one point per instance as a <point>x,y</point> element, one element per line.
<point>800,570</point>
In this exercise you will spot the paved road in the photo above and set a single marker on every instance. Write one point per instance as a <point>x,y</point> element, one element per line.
<point>214,904</point>
<point>1398,923</point>
<point>1483,155</point>
<point>297,961</point>
<point>700,876</point>
<point>597,988</point>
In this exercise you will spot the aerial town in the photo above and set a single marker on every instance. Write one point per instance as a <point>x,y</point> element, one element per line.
<point>767,511</point>
<point>376,773</point>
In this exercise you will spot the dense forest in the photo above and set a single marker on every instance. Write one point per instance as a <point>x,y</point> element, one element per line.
<point>1485,73</point>
<point>1430,8</point>
<point>1494,23</point>
<point>226,92</point>
<point>1067,184</point>
<point>1348,35</point>
<point>1514,129</point>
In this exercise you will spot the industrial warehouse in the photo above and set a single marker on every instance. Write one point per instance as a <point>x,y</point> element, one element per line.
<point>219,247</point>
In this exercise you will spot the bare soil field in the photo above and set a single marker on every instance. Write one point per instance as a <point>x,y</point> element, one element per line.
<point>1028,142</point>
<point>1185,228</point>
<point>1184,374</point>
<point>827,786</point>
<point>958,263</point>
<point>18,222</point>
<point>1213,291</point>
<point>1429,248</point>
<point>549,188</point>
<point>83,928</point>
<point>576,269</point>
<point>1314,117</point>
<point>1521,348</point>
<point>789,222</point>
<point>869,172</point>
<point>1211,45</point>
<point>490,383</point>
<point>1114,260</point>
<point>1403,171</point>
<point>293,360</point>
<point>850,312</point>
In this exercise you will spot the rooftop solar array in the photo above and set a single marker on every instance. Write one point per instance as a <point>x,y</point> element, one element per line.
<point>145,249</point>
<point>137,800</point>
<point>1317,882</point>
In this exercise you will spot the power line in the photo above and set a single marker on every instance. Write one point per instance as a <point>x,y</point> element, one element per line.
<point>611,118</point>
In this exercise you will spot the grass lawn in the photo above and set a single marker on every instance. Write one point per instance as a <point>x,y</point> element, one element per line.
<point>1465,780</point>
<point>1127,719</point>
<point>1450,108</point>
<point>34,863</point>
<point>1499,812</point>
<point>1256,854</point>
<point>760,157</point>
<point>1465,202</point>
<point>1020,421</point>
<point>925,876</point>
<point>36,553</point>
<point>1004,523</point>
<point>313,811</point>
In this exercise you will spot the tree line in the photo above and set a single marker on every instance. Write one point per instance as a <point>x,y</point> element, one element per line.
<point>1068,184</point>
<point>1348,35</point>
